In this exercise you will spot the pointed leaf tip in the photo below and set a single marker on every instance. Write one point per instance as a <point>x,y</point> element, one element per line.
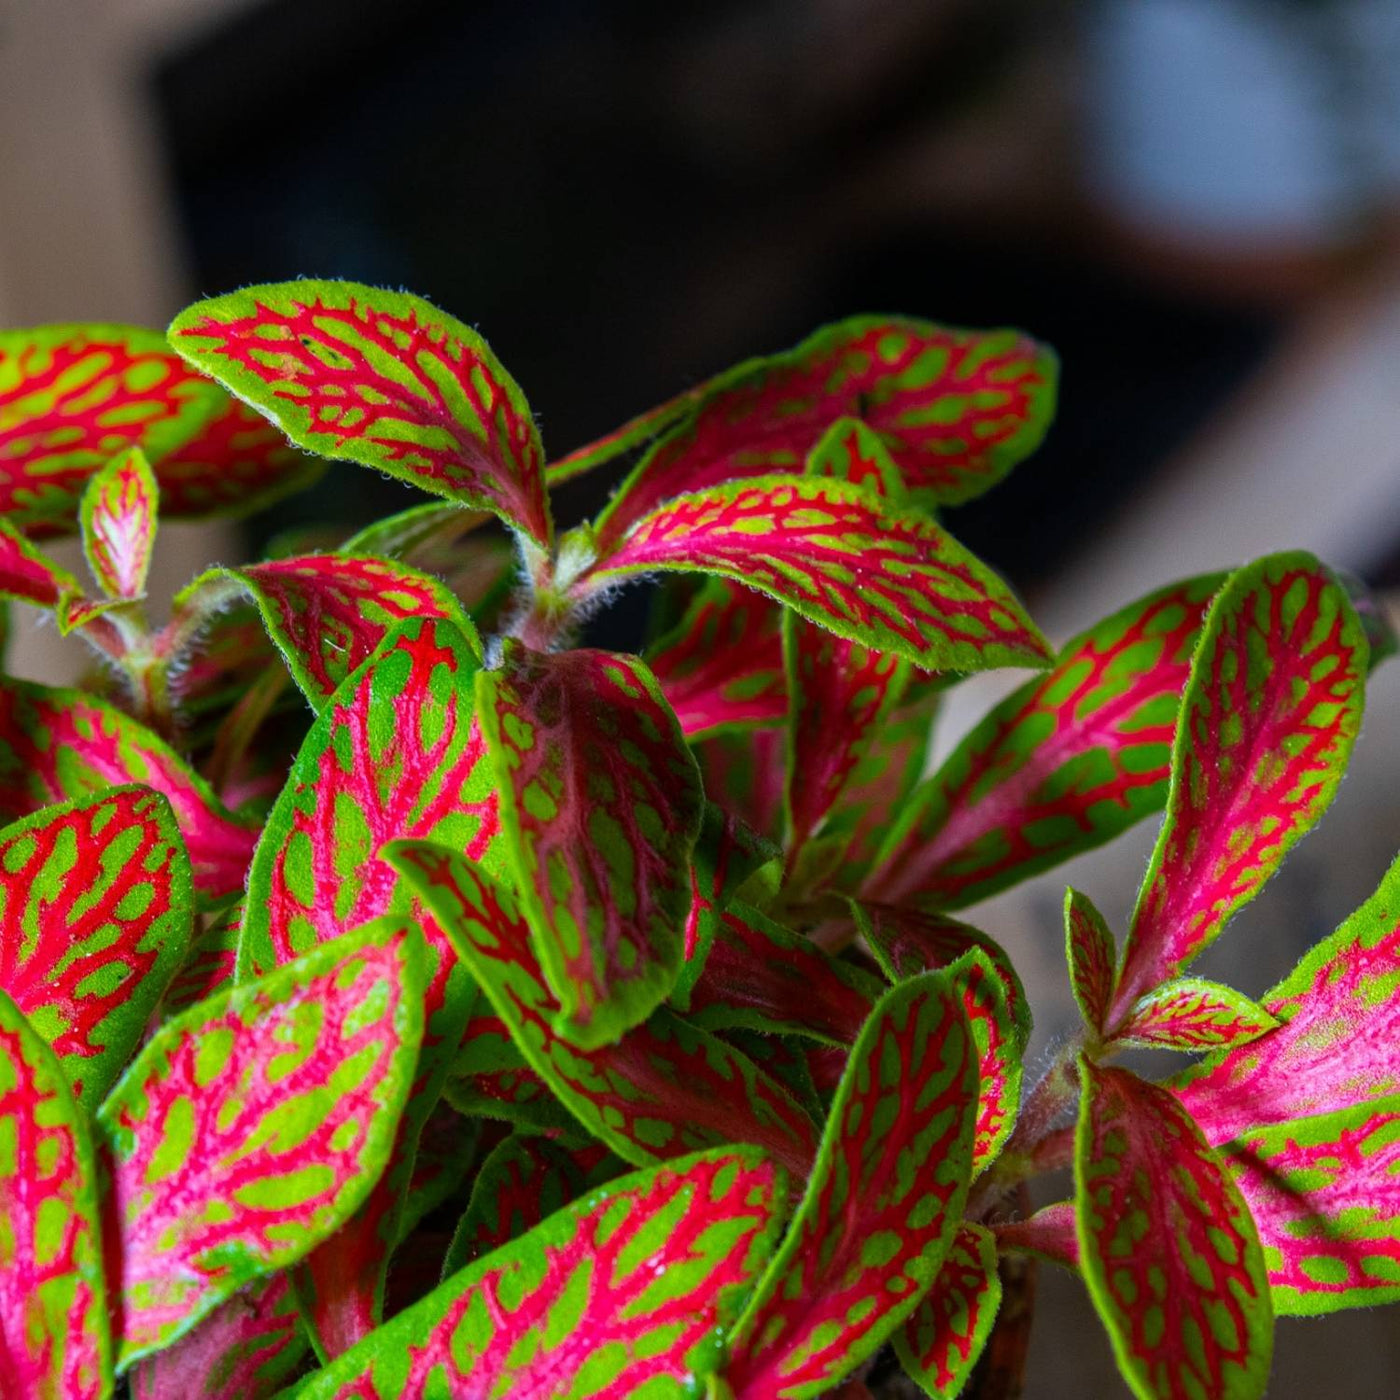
<point>118,516</point>
<point>1269,717</point>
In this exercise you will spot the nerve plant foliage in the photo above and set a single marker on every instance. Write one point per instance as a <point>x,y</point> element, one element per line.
<point>503,1017</point>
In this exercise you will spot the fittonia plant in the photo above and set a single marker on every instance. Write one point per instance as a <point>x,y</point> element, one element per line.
<point>501,1017</point>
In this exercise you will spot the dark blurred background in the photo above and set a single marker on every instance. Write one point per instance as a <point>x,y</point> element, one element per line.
<point>1197,202</point>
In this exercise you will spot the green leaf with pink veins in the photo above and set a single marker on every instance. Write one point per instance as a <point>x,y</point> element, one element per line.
<point>380,378</point>
<point>55,1342</point>
<point>1167,1246</point>
<point>290,1088</point>
<point>882,1205</point>
<point>95,905</point>
<point>1269,717</point>
<point>626,1292</point>
<point>601,804</point>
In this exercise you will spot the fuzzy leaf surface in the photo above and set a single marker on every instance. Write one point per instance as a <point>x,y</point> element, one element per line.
<point>882,1205</point>
<point>118,516</point>
<point>1060,766</point>
<point>248,1348</point>
<point>379,378</point>
<point>721,666</point>
<point>601,803</point>
<point>1340,1009</point>
<point>57,745</point>
<point>1325,1195</point>
<point>253,1126</point>
<point>626,1292</point>
<point>1167,1246</point>
<point>1270,714</point>
<point>1190,1013</point>
<point>1049,1234</point>
<point>395,752</point>
<point>72,397</point>
<point>1092,956</point>
<point>943,1337</point>
<point>955,409</point>
<point>834,553</point>
<point>54,1337</point>
<point>328,612</point>
<point>665,1089</point>
<point>95,908</point>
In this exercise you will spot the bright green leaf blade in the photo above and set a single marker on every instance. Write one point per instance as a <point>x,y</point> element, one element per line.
<point>253,1126</point>
<point>882,1205</point>
<point>54,1335</point>
<point>118,518</point>
<point>95,916</point>
<point>887,577</point>
<point>1269,717</point>
<point>380,378</point>
<point>626,1292</point>
<point>601,804</point>
<point>1167,1246</point>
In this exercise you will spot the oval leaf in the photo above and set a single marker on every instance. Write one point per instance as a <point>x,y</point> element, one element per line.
<point>1268,721</point>
<point>1092,956</point>
<point>601,803</point>
<point>887,577</point>
<point>882,1204</point>
<point>118,516</point>
<point>27,573</point>
<point>1066,762</point>
<point>627,1292</point>
<point>1167,1246</point>
<point>95,911</point>
<point>72,397</point>
<point>380,378</point>
<point>54,1339</point>
<point>253,1126</point>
